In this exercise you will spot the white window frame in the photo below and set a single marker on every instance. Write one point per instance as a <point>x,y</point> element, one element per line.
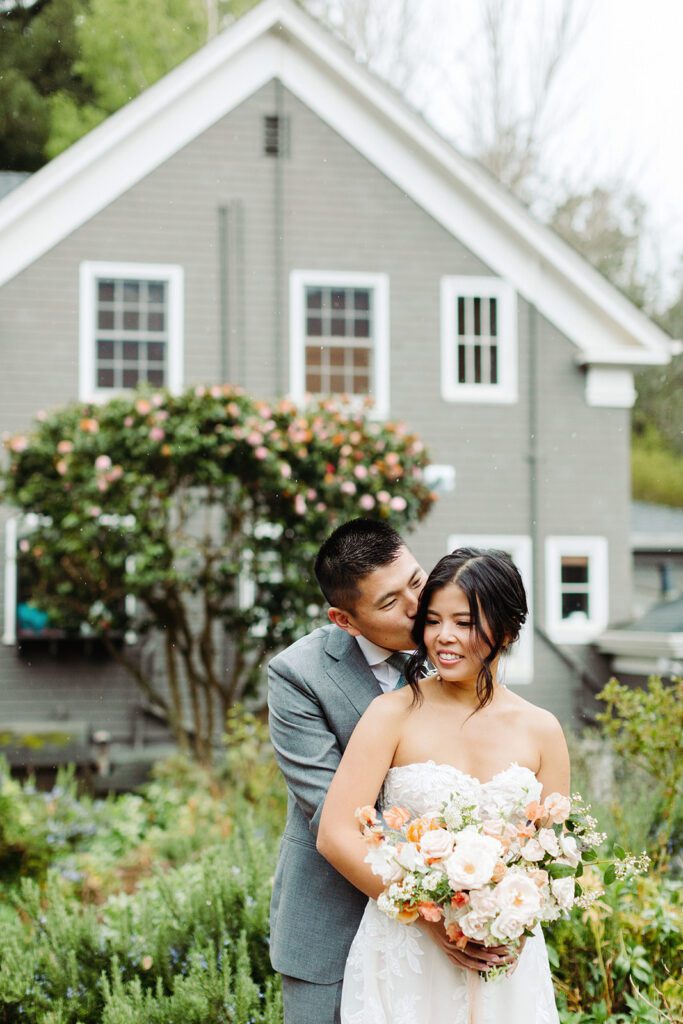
<point>9,633</point>
<point>564,631</point>
<point>299,280</point>
<point>92,271</point>
<point>505,391</point>
<point>517,667</point>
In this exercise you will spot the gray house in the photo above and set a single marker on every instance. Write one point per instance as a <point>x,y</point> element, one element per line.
<point>271,214</point>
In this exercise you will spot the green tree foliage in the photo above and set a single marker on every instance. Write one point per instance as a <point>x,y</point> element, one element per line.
<point>38,53</point>
<point>207,508</point>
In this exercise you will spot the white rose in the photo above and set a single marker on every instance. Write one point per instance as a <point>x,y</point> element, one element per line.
<point>508,925</point>
<point>570,850</point>
<point>548,841</point>
<point>383,862</point>
<point>437,844</point>
<point>409,857</point>
<point>472,862</point>
<point>532,850</point>
<point>519,892</point>
<point>563,891</point>
<point>475,926</point>
<point>483,902</point>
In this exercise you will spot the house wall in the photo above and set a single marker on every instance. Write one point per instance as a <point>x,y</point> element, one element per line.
<point>325,207</point>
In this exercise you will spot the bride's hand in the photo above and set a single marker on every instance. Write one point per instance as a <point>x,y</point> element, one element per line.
<point>474,956</point>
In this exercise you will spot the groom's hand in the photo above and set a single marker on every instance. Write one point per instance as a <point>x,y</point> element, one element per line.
<point>474,956</point>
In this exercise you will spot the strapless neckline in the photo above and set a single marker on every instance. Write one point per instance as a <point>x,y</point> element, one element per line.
<point>473,778</point>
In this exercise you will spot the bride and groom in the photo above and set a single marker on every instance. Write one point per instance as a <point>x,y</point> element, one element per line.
<point>338,747</point>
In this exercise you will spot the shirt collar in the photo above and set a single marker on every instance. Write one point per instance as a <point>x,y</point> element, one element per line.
<point>373,653</point>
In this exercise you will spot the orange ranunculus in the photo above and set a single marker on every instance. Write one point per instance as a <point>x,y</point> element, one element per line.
<point>408,915</point>
<point>429,910</point>
<point>459,899</point>
<point>457,936</point>
<point>416,830</point>
<point>396,817</point>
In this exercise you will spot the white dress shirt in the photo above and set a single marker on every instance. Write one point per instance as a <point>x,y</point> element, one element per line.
<point>386,675</point>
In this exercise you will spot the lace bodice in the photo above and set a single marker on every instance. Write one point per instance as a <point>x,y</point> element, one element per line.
<point>425,785</point>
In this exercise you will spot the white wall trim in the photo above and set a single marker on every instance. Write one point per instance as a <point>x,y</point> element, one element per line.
<point>611,387</point>
<point>379,283</point>
<point>571,631</point>
<point>9,633</point>
<point>92,271</point>
<point>517,668</point>
<point>504,392</point>
<point>278,39</point>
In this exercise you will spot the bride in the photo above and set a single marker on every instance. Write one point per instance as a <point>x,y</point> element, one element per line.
<point>458,729</point>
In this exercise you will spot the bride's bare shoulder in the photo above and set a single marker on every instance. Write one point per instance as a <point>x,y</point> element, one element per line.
<point>539,719</point>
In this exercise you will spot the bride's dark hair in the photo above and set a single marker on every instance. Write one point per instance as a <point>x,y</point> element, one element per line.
<point>491,582</point>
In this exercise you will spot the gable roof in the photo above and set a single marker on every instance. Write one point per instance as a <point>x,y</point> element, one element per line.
<point>278,39</point>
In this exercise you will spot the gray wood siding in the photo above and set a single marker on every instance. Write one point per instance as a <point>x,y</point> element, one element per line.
<point>338,213</point>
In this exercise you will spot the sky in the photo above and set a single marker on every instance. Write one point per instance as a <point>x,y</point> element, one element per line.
<point>625,83</point>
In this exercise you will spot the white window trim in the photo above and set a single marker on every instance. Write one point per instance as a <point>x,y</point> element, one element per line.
<point>571,632</point>
<point>379,283</point>
<point>516,668</point>
<point>90,273</point>
<point>452,288</point>
<point>9,634</point>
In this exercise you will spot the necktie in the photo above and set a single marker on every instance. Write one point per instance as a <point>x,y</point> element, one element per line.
<point>398,660</point>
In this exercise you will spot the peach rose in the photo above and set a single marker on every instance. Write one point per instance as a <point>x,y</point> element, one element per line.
<point>498,871</point>
<point>416,830</point>
<point>557,807</point>
<point>396,817</point>
<point>408,915</point>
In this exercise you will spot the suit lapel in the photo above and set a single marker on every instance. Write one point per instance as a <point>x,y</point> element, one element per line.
<point>350,671</point>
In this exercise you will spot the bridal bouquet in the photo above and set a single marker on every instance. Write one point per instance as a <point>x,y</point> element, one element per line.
<point>490,878</point>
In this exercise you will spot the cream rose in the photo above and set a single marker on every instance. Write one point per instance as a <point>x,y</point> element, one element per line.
<point>563,890</point>
<point>508,925</point>
<point>548,841</point>
<point>472,862</point>
<point>570,850</point>
<point>532,850</point>
<point>519,892</point>
<point>436,844</point>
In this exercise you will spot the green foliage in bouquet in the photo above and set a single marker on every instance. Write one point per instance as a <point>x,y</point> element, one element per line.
<point>207,508</point>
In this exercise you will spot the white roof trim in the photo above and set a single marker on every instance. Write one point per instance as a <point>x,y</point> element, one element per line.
<point>643,644</point>
<point>277,39</point>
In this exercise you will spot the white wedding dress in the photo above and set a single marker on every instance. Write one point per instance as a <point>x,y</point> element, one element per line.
<point>395,974</point>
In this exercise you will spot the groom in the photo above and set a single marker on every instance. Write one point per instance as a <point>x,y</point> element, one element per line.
<point>317,691</point>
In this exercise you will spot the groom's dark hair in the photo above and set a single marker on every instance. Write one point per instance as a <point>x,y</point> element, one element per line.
<point>353,551</point>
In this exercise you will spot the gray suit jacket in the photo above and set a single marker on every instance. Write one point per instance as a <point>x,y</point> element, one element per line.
<point>317,690</point>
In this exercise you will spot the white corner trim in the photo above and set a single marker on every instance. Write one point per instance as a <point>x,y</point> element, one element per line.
<point>90,272</point>
<point>379,283</point>
<point>610,387</point>
<point>564,631</point>
<point>505,392</point>
<point>9,634</point>
<point>518,666</point>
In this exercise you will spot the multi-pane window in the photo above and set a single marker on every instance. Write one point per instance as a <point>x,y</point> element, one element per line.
<point>478,340</point>
<point>575,586</point>
<point>132,333</point>
<point>131,327</point>
<point>577,595</point>
<point>339,333</point>
<point>340,336</point>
